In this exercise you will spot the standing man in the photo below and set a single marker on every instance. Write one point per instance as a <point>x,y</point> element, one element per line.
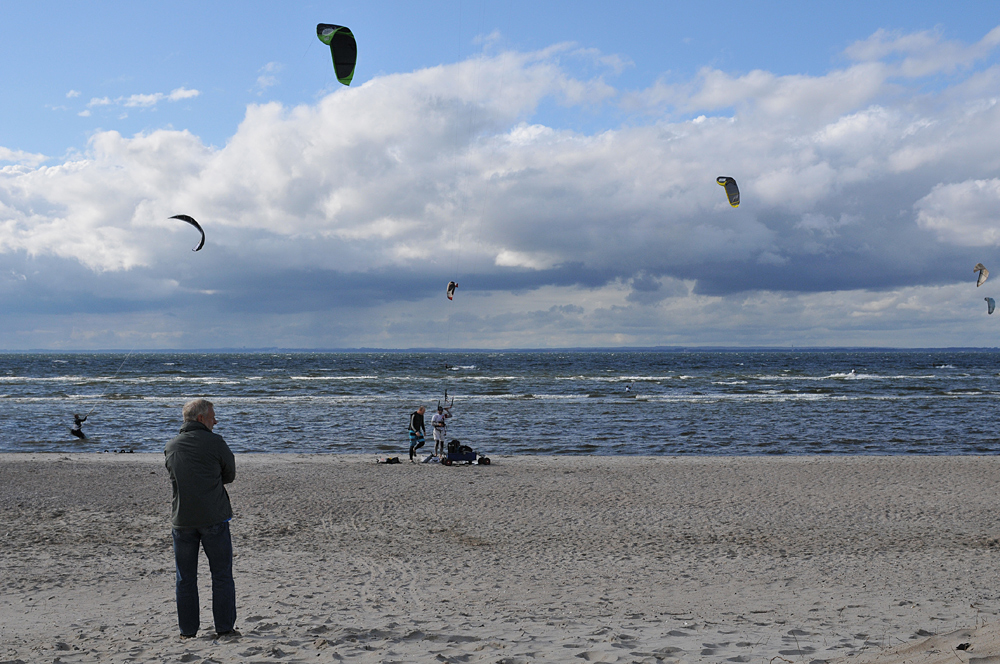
<point>200,464</point>
<point>439,425</point>
<point>417,431</point>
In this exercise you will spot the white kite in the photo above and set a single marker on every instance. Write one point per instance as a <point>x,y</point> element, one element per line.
<point>983,273</point>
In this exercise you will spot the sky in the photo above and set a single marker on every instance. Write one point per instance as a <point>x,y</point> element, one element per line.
<point>556,159</point>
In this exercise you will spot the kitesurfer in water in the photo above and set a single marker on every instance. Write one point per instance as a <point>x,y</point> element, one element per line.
<point>440,427</point>
<point>417,431</point>
<point>77,429</point>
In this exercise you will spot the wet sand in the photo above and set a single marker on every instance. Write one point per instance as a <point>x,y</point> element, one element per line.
<point>530,559</point>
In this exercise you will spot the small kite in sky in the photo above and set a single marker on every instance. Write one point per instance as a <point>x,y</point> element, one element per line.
<point>343,49</point>
<point>990,304</point>
<point>732,191</point>
<point>983,273</point>
<point>190,220</point>
<point>451,289</point>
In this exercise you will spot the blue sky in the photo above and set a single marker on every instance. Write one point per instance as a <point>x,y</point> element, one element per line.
<point>119,49</point>
<point>554,158</point>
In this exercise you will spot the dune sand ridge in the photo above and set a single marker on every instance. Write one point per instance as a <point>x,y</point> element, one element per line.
<point>530,559</point>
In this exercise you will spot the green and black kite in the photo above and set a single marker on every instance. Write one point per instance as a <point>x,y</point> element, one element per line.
<point>343,48</point>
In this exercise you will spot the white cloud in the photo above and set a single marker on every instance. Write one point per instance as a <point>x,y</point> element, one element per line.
<point>382,161</point>
<point>922,53</point>
<point>21,157</point>
<point>141,100</point>
<point>72,93</point>
<point>856,198</point>
<point>533,260</point>
<point>799,99</point>
<point>268,76</point>
<point>144,100</point>
<point>963,213</point>
<point>182,93</point>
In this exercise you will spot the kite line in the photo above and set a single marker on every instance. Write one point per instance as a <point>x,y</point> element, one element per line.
<point>112,379</point>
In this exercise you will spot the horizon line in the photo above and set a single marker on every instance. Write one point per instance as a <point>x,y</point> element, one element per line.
<point>567,349</point>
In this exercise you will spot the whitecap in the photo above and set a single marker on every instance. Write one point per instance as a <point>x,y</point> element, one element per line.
<point>332,377</point>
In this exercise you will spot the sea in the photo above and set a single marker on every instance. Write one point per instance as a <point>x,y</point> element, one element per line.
<point>670,402</point>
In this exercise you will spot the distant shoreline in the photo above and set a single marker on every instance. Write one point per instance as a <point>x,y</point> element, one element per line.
<point>598,349</point>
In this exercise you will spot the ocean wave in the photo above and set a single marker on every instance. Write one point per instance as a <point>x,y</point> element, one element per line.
<point>794,403</point>
<point>524,395</point>
<point>847,376</point>
<point>332,377</point>
<point>44,379</point>
<point>716,398</point>
<point>504,378</point>
<point>613,379</point>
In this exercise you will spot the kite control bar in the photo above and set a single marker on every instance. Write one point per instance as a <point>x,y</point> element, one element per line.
<point>447,406</point>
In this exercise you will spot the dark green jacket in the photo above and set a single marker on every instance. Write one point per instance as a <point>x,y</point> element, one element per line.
<point>200,463</point>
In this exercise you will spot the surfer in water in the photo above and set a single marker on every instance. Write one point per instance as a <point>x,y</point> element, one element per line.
<point>77,429</point>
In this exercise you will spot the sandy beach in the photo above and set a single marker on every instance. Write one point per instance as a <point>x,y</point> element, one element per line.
<point>530,559</point>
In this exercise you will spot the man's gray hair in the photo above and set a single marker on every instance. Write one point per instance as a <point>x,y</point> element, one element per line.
<point>192,409</point>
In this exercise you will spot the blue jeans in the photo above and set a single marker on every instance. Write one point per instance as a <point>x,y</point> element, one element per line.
<point>218,547</point>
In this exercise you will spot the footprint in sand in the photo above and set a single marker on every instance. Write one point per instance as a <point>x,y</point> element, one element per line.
<point>594,656</point>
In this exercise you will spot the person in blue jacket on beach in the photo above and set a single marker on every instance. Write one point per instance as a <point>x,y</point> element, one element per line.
<point>200,465</point>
